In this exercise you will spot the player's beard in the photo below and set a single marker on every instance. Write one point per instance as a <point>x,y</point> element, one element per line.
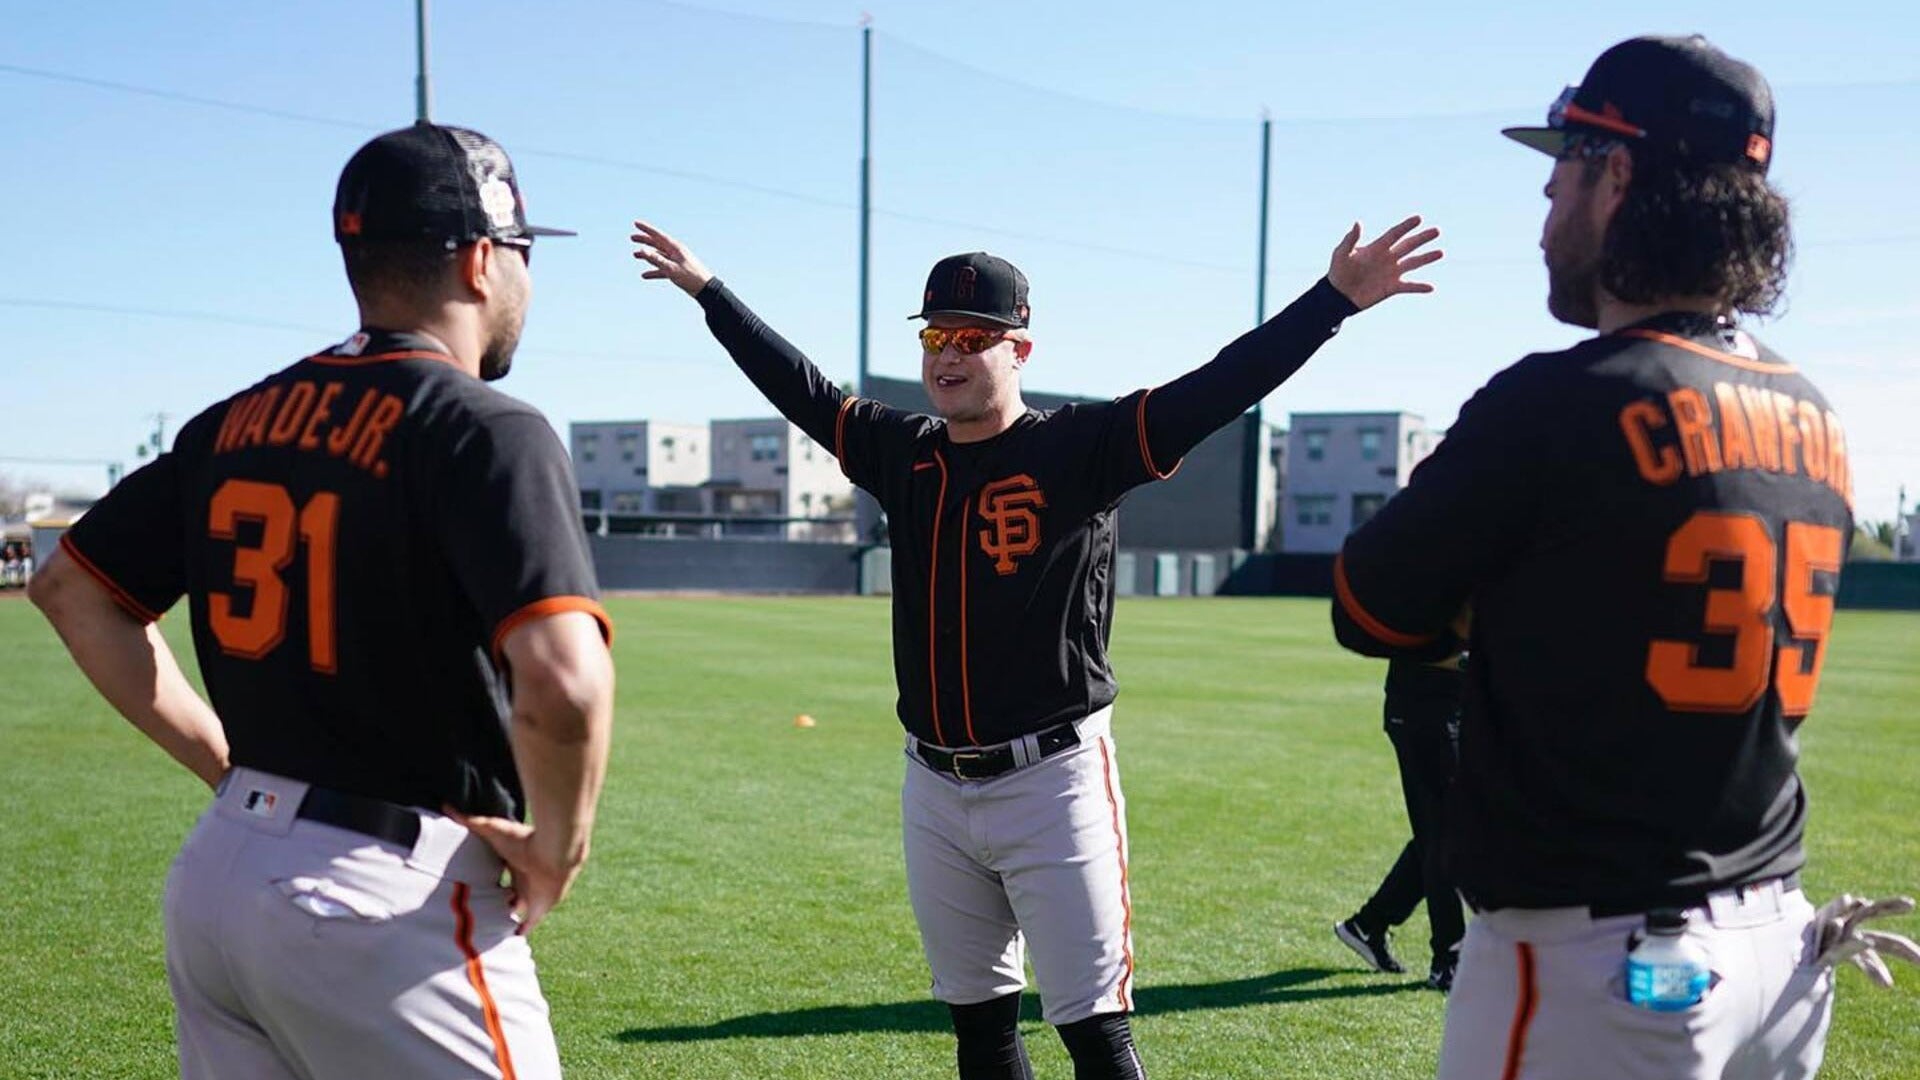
<point>497,359</point>
<point>1573,269</point>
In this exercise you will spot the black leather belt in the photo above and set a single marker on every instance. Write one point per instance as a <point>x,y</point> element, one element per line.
<point>377,818</point>
<point>1608,911</point>
<point>987,762</point>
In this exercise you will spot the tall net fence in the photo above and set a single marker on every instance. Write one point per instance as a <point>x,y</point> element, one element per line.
<point>1138,229</point>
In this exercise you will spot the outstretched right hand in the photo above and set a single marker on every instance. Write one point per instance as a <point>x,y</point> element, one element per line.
<point>1371,273</point>
<point>669,259</point>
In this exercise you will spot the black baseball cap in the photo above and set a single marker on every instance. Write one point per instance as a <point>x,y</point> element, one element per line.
<point>431,182</point>
<point>1678,96</point>
<point>979,286</point>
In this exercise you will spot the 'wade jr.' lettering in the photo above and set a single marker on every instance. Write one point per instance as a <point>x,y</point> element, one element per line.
<point>303,416</point>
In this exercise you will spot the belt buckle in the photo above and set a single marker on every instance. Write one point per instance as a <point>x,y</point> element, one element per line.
<point>1745,905</point>
<point>961,756</point>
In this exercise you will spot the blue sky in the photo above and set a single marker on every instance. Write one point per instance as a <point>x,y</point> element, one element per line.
<point>169,250</point>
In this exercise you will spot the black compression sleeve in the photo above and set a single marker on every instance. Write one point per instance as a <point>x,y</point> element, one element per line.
<point>989,1046</point>
<point>781,372</point>
<point>1195,405</point>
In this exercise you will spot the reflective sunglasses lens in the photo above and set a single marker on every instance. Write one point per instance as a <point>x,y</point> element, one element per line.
<point>967,340</point>
<point>974,340</point>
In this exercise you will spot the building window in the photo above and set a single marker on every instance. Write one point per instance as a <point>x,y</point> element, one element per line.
<point>669,501</point>
<point>806,504</point>
<point>1370,440</point>
<point>1316,445</point>
<point>629,445</point>
<point>666,445</point>
<point>590,500</point>
<point>1365,506</point>
<point>1313,509</point>
<point>761,503</point>
<point>765,448</point>
<point>589,447</point>
<point>629,502</point>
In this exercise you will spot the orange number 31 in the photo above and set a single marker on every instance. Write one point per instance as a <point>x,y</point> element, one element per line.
<point>257,633</point>
<point>1745,614</point>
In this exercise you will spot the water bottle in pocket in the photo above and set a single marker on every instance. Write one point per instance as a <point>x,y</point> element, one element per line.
<point>1665,971</point>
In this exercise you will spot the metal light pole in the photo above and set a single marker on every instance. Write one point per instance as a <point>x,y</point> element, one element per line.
<point>422,89</point>
<point>1257,451</point>
<point>1266,173</point>
<point>1902,535</point>
<point>157,440</point>
<point>866,188</point>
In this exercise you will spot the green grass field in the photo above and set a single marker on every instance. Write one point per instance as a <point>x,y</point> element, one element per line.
<point>745,914</point>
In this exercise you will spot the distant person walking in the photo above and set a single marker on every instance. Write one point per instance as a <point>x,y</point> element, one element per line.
<point>1423,721</point>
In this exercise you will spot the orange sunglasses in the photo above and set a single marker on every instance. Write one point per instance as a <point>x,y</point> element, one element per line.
<point>966,339</point>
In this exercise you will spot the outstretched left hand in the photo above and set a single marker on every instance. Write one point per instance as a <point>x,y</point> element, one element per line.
<point>1370,274</point>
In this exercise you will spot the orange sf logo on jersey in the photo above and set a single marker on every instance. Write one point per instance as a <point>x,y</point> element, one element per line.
<point>1008,505</point>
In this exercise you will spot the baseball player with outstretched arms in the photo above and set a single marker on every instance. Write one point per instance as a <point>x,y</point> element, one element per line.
<point>1002,522</point>
<point>396,619</point>
<point>1649,528</point>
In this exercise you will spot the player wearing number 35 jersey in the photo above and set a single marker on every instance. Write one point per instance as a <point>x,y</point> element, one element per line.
<point>372,541</point>
<point>1648,529</point>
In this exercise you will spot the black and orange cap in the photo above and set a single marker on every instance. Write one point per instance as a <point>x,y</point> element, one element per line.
<point>979,286</point>
<point>1679,96</point>
<point>431,182</point>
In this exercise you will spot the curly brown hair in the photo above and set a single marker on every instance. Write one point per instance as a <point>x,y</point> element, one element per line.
<point>1719,231</point>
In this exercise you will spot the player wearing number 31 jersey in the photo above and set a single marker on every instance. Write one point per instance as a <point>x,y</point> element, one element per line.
<point>1649,528</point>
<point>372,541</point>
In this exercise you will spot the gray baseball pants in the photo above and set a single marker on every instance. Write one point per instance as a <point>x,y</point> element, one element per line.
<point>1540,995</point>
<point>1035,859</point>
<point>301,951</point>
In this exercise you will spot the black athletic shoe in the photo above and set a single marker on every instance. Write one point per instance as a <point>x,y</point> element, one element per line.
<point>1440,975</point>
<point>1371,948</point>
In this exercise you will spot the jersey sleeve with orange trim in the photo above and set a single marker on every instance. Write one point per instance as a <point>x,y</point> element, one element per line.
<point>507,518</point>
<point>874,444</point>
<point>1107,448</point>
<point>1144,436</point>
<point>132,540</point>
<point>871,441</point>
<point>781,372</point>
<point>1176,417</point>
<point>1404,576</point>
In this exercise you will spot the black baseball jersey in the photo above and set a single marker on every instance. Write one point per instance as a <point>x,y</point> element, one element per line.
<point>1424,690</point>
<point>1649,528</point>
<point>1003,549</point>
<point>357,535</point>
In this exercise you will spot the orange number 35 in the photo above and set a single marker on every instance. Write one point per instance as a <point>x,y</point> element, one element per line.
<point>257,633</point>
<point>1745,614</point>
